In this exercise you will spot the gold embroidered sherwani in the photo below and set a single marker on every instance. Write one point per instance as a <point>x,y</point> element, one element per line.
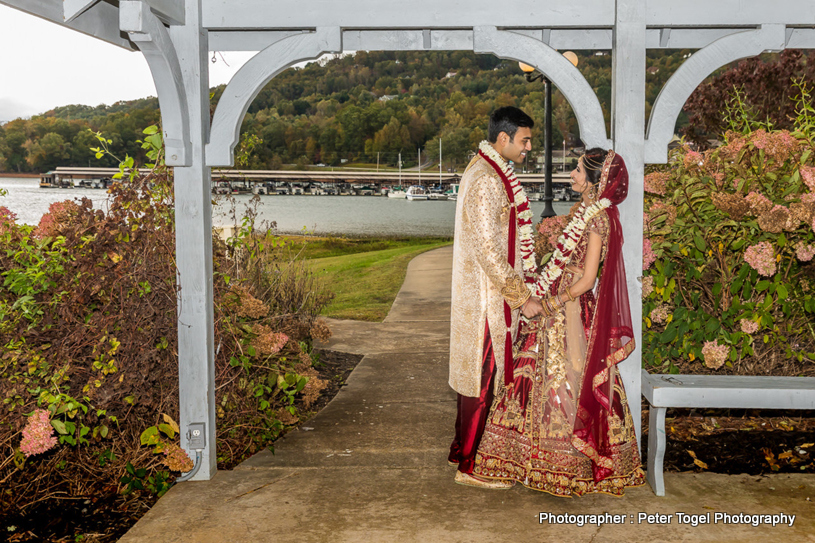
<point>482,277</point>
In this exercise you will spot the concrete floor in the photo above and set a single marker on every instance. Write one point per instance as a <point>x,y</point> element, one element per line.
<point>371,466</point>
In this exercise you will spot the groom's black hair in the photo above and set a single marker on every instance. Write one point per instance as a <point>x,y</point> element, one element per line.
<point>507,119</point>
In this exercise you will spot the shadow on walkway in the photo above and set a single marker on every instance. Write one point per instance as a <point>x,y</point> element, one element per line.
<point>371,466</point>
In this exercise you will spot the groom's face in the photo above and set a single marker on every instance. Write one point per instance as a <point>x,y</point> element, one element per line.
<point>515,149</point>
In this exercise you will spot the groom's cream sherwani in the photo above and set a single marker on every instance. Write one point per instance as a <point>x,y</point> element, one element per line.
<point>482,277</point>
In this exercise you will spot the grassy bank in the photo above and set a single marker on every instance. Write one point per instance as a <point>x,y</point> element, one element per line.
<point>364,274</point>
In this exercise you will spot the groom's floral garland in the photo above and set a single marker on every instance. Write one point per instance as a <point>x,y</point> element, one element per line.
<point>526,232</point>
<point>566,244</point>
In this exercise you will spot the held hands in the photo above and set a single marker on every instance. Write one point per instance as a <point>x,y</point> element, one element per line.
<point>532,308</point>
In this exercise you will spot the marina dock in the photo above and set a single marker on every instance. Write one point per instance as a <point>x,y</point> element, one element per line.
<point>337,181</point>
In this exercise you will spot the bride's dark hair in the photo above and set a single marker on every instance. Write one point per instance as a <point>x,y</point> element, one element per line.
<point>593,164</point>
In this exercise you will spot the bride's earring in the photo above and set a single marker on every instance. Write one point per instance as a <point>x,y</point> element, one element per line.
<point>593,192</point>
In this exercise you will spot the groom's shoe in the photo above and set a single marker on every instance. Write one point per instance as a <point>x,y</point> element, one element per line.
<point>451,463</point>
<point>494,484</point>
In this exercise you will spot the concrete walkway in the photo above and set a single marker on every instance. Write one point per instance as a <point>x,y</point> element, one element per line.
<point>371,466</point>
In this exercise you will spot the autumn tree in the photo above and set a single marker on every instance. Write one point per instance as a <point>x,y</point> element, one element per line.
<point>766,87</point>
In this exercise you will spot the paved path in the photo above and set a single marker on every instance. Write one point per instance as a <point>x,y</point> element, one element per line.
<point>371,466</point>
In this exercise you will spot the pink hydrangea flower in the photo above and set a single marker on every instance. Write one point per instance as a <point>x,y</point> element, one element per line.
<point>659,314</point>
<point>647,286</point>
<point>279,341</point>
<point>808,175</point>
<point>38,434</point>
<point>648,256</point>
<point>692,159</point>
<point>761,139</point>
<point>656,182</point>
<point>748,326</point>
<point>552,227</point>
<point>715,355</point>
<point>761,258</point>
<point>804,253</point>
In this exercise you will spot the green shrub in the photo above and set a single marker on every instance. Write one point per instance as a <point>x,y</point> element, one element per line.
<point>729,277</point>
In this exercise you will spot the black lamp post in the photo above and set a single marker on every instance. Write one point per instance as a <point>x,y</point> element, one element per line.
<point>529,72</point>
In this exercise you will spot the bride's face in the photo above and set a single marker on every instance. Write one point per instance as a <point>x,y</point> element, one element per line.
<point>579,180</point>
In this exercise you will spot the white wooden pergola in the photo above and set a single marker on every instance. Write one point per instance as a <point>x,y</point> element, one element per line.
<point>176,36</point>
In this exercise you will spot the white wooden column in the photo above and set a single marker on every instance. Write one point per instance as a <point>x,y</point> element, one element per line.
<point>628,134</point>
<point>193,215</point>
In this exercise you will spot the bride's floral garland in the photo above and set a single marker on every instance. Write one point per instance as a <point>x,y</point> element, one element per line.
<point>526,232</point>
<point>566,244</point>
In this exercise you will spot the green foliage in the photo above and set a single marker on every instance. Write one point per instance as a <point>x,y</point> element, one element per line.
<point>731,231</point>
<point>354,108</point>
<point>88,321</point>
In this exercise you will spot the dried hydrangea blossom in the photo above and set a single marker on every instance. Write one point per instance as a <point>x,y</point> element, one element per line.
<point>715,355</point>
<point>647,286</point>
<point>803,252</point>
<point>656,182</point>
<point>734,205</point>
<point>660,313</point>
<point>748,326</point>
<point>759,203</point>
<point>774,220</point>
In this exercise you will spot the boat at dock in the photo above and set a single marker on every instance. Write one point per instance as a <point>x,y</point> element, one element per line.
<point>452,192</point>
<point>416,192</point>
<point>397,192</point>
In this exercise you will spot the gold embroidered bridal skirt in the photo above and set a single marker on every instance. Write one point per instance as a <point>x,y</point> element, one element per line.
<point>528,433</point>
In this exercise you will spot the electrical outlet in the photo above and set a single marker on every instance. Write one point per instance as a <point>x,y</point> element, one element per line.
<point>196,436</point>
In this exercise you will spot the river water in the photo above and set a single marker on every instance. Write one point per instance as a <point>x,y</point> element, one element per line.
<point>345,215</point>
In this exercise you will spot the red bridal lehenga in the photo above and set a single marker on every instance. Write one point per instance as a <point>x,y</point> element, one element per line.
<point>563,425</point>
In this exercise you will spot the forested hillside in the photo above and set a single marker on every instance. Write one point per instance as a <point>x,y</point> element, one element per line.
<point>355,108</point>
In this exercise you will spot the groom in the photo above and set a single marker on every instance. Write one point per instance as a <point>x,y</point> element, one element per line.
<point>488,286</point>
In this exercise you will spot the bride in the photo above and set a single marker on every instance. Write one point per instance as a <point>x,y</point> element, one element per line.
<point>563,425</point>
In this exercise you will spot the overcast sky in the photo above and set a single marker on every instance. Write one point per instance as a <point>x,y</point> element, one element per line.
<point>45,65</point>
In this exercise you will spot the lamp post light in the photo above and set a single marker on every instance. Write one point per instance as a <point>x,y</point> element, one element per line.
<point>529,72</point>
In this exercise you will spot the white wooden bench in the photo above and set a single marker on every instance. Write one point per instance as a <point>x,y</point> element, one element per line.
<point>714,391</point>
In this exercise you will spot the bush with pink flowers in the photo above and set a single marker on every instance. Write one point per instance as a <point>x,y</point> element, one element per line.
<point>729,245</point>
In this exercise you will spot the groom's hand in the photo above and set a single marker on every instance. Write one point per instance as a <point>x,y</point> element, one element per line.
<point>532,308</point>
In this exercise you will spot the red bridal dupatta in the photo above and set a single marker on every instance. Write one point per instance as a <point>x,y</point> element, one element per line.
<point>611,340</point>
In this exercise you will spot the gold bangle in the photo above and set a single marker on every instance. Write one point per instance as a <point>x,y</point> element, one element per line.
<point>569,294</point>
<point>549,309</point>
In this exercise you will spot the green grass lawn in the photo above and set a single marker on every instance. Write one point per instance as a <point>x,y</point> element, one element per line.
<point>364,274</point>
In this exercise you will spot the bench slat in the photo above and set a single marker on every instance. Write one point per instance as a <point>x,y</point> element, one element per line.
<point>729,391</point>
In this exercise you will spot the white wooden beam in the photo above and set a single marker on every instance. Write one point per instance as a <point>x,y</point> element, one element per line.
<point>99,21</point>
<point>247,40</point>
<point>431,14</point>
<point>193,222</point>
<point>407,40</point>
<point>250,80</point>
<point>557,68</point>
<point>728,13</point>
<point>628,130</point>
<point>71,9</point>
<point>563,39</point>
<point>383,14</point>
<point>693,71</point>
<point>169,11</point>
<point>153,39</point>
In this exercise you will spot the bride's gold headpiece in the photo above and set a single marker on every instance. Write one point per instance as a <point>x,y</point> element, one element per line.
<point>591,162</point>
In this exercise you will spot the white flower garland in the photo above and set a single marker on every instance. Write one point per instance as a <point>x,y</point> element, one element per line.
<point>566,244</point>
<point>526,232</point>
